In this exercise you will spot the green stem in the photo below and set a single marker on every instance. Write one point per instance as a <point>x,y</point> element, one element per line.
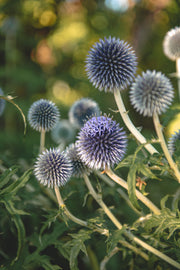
<point>119,190</point>
<point>129,123</point>
<point>127,233</point>
<point>68,214</point>
<point>139,195</point>
<point>42,141</point>
<point>171,162</point>
<point>178,74</point>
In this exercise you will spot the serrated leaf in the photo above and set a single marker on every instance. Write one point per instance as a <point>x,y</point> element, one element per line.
<point>131,181</point>
<point>147,172</point>
<point>126,162</point>
<point>113,240</point>
<point>16,185</point>
<point>19,226</point>
<point>6,176</point>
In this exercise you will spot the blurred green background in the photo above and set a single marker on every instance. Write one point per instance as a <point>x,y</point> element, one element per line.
<point>43,47</point>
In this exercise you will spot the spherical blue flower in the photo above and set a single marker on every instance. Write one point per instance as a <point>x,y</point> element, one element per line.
<point>63,132</point>
<point>111,64</point>
<point>2,102</point>
<point>151,93</point>
<point>82,110</point>
<point>53,168</point>
<point>43,115</point>
<point>79,168</point>
<point>101,143</point>
<point>172,141</point>
<point>171,43</point>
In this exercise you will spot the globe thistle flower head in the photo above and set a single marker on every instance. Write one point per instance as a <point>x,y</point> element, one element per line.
<point>171,44</point>
<point>151,93</point>
<point>63,132</point>
<point>2,102</point>
<point>43,115</point>
<point>79,168</point>
<point>111,64</point>
<point>53,168</point>
<point>101,143</point>
<point>82,110</point>
<point>172,141</point>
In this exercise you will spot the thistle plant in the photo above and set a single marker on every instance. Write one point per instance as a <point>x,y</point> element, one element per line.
<point>82,110</point>
<point>172,49</point>
<point>151,94</point>
<point>111,66</point>
<point>43,115</point>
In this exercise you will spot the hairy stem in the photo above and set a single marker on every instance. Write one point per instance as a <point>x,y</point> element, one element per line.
<point>68,214</point>
<point>127,233</point>
<point>129,123</point>
<point>139,195</point>
<point>42,141</point>
<point>178,74</point>
<point>110,183</point>
<point>159,132</point>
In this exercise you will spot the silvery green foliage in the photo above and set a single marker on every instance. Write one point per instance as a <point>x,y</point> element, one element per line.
<point>151,93</point>
<point>82,110</point>
<point>2,102</point>
<point>63,132</point>
<point>101,143</point>
<point>53,168</point>
<point>79,168</point>
<point>43,115</point>
<point>171,44</point>
<point>172,140</point>
<point>111,64</point>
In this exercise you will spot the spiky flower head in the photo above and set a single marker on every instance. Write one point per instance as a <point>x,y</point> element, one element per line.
<point>171,44</point>
<point>79,168</point>
<point>151,93</point>
<point>2,102</point>
<point>172,142</point>
<point>43,115</point>
<point>101,142</point>
<point>111,64</point>
<point>82,110</point>
<point>63,132</point>
<point>53,168</point>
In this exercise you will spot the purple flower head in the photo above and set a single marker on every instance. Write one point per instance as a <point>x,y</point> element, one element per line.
<point>111,64</point>
<point>101,143</point>
<point>172,141</point>
<point>151,93</point>
<point>78,166</point>
<point>43,115</point>
<point>82,110</point>
<point>171,44</point>
<point>53,168</point>
<point>2,102</point>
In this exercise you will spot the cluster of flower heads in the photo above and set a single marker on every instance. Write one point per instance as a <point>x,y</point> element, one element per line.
<point>171,43</point>
<point>101,143</point>
<point>82,110</point>
<point>2,102</point>
<point>111,64</point>
<point>43,115</point>
<point>151,93</point>
<point>172,142</point>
